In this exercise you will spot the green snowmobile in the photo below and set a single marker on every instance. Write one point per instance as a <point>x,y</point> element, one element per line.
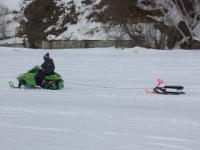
<point>29,80</point>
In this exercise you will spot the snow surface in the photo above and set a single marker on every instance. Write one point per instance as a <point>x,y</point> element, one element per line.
<point>103,105</point>
<point>11,4</point>
<point>14,40</point>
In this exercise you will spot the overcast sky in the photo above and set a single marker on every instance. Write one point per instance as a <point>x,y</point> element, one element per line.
<point>11,4</point>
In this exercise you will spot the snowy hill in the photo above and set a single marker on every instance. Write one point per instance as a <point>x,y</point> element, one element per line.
<point>82,30</point>
<point>103,104</point>
<point>154,24</point>
<point>85,29</point>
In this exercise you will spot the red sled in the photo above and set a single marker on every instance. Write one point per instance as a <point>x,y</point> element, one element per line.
<point>167,89</point>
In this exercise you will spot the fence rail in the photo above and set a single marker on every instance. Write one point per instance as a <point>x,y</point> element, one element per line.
<point>89,44</point>
<point>71,44</point>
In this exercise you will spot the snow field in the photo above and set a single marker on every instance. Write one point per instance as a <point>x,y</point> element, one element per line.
<point>103,104</point>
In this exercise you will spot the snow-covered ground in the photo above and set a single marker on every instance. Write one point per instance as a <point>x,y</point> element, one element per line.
<point>11,4</point>
<point>103,105</point>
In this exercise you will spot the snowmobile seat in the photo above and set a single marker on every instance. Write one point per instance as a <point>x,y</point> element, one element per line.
<point>165,90</point>
<point>174,87</point>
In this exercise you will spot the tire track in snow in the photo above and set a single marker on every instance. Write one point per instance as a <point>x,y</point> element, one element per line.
<point>101,125</point>
<point>170,146</point>
<point>101,116</point>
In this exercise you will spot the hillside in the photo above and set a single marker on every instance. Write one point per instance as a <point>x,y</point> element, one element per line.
<point>149,22</point>
<point>82,30</point>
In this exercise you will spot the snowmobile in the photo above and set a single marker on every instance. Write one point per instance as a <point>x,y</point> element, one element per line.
<point>167,89</point>
<point>29,80</point>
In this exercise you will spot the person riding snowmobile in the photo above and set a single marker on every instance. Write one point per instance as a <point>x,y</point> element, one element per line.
<point>48,65</point>
<point>48,68</point>
<point>40,75</point>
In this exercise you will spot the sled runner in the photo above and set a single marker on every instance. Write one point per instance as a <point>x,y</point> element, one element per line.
<point>29,80</point>
<point>167,90</point>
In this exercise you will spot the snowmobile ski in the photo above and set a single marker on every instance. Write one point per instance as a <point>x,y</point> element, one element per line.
<point>12,85</point>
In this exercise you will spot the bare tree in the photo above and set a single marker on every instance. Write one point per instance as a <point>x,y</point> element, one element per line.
<point>128,15</point>
<point>161,27</point>
<point>189,11</point>
<point>3,12</point>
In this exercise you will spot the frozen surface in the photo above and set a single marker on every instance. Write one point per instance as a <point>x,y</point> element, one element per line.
<point>103,105</point>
